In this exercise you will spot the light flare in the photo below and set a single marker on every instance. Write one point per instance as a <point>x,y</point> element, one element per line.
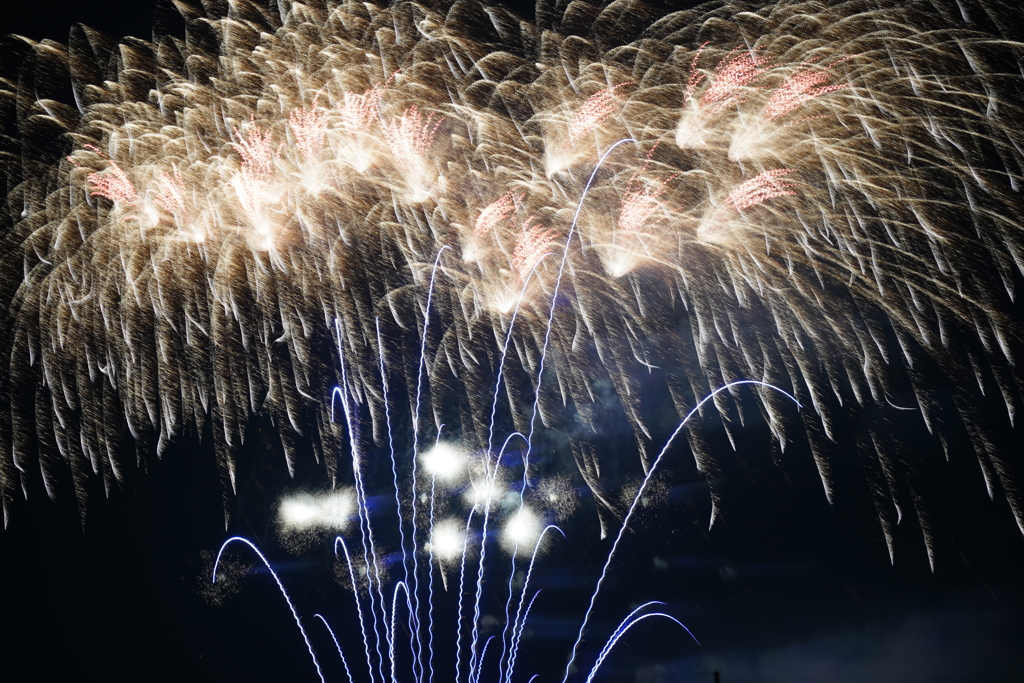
<point>444,461</point>
<point>522,531</point>
<point>331,511</point>
<point>447,540</point>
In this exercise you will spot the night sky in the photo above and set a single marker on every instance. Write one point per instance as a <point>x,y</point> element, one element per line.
<point>785,588</point>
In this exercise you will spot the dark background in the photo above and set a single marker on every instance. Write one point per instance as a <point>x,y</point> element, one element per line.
<point>785,588</point>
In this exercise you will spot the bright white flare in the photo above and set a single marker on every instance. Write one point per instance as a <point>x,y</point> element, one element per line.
<point>522,531</point>
<point>331,511</point>
<point>447,539</point>
<point>444,461</point>
<point>482,493</point>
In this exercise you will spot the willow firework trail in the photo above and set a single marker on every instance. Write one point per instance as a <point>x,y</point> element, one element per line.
<point>820,197</point>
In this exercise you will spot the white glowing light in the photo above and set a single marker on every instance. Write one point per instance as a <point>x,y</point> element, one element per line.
<point>444,461</point>
<point>522,531</point>
<point>298,514</point>
<point>330,511</point>
<point>447,539</point>
<point>477,493</point>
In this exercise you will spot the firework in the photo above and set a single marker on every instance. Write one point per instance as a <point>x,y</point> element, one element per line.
<point>572,211</point>
<point>390,612</point>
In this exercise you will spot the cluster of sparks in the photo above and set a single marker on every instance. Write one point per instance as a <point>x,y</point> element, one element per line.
<point>359,111</point>
<point>595,110</point>
<point>112,184</point>
<point>531,246</point>
<point>259,157</point>
<point>309,127</point>
<point>497,212</point>
<point>730,80</point>
<point>742,209</point>
<point>798,89</point>
<point>760,188</point>
<point>411,136</point>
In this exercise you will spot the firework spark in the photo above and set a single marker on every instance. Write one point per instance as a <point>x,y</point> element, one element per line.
<point>531,246</point>
<point>595,110</point>
<point>113,184</point>
<point>798,89</point>
<point>310,127</point>
<point>899,248</point>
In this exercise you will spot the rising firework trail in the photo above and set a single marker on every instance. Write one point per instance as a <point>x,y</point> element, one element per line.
<point>230,227</point>
<point>379,606</point>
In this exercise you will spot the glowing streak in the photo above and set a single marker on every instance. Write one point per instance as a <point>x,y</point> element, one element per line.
<point>643,489</point>
<point>366,530</point>
<point>430,564</point>
<point>554,300</point>
<point>404,587</point>
<point>490,476</point>
<point>414,613</point>
<point>341,654</point>
<point>517,636</point>
<point>480,664</point>
<point>547,336</point>
<point>391,452</point>
<point>462,593</point>
<point>501,372</point>
<point>627,624</point>
<point>516,624</point>
<point>277,580</point>
<point>355,595</point>
<point>474,664</point>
